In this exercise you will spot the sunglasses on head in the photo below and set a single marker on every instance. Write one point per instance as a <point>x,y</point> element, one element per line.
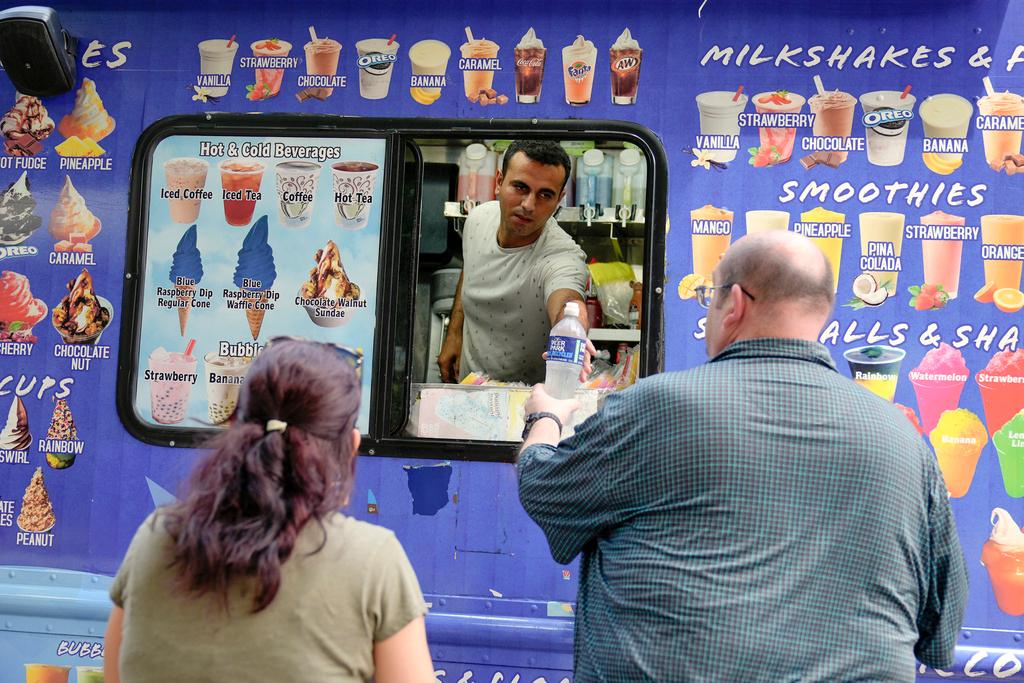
<point>353,357</point>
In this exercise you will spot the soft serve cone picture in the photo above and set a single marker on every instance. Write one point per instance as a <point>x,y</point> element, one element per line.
<point>18,219</point>
<point>958,439</point>
<point>81,316</point>
<point>255,275</point>
<point>16,435</point>
<point>88,119</point>
<point>19,309</point>
<point>1003,557</point>
<point>72,224</point>
<point>186,273</point>
<point>328,296</point>
<point>62,444</point>
<point>36,515</point>
<point>25,126</point>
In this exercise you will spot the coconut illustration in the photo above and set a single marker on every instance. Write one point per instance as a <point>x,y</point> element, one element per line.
<point>866,288</point>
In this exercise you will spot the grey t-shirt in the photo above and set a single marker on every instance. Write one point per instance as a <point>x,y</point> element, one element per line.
<point>333,605</point>
<point>505,294</point>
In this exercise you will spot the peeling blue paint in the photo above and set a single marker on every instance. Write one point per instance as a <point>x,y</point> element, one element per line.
<point>428,485</point>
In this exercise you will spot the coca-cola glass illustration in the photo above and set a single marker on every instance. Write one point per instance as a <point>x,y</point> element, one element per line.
<point>529,73</point>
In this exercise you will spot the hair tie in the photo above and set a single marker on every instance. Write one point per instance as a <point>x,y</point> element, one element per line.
<point>276,425</point>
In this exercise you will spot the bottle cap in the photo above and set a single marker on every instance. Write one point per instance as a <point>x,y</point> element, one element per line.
<point>572,308</point>
<point>629,157</point>
<point>476,151</point>
<point>593,157</point>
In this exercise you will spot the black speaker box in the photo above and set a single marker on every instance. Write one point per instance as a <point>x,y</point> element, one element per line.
<point>36,52</point>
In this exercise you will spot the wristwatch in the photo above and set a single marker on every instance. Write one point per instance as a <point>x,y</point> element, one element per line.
<point>534,417</point>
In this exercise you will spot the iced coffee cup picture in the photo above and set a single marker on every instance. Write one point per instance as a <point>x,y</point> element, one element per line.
<point>777,143</point>
<point>578,62</point>
<point>1002,141</point>
<point>530,55</point>
<point>881,246</point>
<point>876,368</point>
<point>377,57</point>
<point>240,182</point>
<point>268,80</point>
<point>711,234</point>
<point>477,55</point>
<point>720,116</point>
<point>216,60</point>
<point>942,258</point>
<point>1003,558</point>
<point>945,118</point>
<point>296,190</point>
<point>886,119</point>
<point>224,376</point>
<point>833,116</point>
<point>429,59</point>
<point>625,57</point>
<point>322,56</point>
<point>354,183</point>
<point>186,180</point>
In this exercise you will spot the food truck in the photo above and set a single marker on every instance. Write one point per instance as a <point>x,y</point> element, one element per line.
<point>184,183</point>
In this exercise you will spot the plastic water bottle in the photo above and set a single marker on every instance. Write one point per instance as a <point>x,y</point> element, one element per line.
<point>566,350</point>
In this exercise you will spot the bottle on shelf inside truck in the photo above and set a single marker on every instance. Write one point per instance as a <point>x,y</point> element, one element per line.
<point>566,348</point>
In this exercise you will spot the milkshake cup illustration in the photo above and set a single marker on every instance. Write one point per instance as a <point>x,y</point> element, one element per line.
<point>712,232</point>
<point>377,57</point>
<point>832,247</point>
<point>173,374</point>
<point>958,439</point>
<point>881,243</point>
<point>296,190</point>
<point>353,183</point>
<point>530,55</point>
<point>625,57</point>
<point>942,257</point>
<point>1003,557</point>
<point>428,58</point>
<point>217,58</point>
<point>255,274</point>
<point>322,57</point>
<point>779,141</point>
<point>474,50</point>
<point>578,63</point>
<point>946,116</point>
<point>720,115</point>
<point>240,180</point>
<point>186,178</point>
<point>1000,144</point>
<point>1009,443</point>
<point>268,81</point>
<point>46,673</point>
<point>1002,388</point>
<point>224,377</point>
<point>887,115</point>
<point>186,273</point>
<point>763,221</point>
<point>1002,229</point>
<point>938,381</point>
<point>833,116</point>
<point>876,368</point>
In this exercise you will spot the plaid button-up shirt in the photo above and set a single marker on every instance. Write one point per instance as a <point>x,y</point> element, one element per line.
<point>757,518</point>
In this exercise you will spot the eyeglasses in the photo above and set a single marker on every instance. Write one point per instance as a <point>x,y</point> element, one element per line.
<point>706,294</point>
<point>352,357</point>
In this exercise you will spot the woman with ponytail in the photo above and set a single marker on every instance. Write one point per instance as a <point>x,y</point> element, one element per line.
<point>254,574</point>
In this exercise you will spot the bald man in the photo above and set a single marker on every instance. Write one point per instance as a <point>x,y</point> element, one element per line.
<point>757,518</point>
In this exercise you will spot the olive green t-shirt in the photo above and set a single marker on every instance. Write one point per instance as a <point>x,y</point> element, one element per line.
<point>333,605</point>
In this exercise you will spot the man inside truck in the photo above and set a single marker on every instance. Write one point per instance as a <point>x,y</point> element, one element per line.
<point>519,269</point>
<point>757,518</point>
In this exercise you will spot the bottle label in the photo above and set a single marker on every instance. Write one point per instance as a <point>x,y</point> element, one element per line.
<point>566,349</point>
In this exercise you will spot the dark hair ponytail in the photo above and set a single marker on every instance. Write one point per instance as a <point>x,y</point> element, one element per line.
<point>252,494</point>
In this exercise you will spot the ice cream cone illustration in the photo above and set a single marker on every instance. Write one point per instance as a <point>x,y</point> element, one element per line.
<point>72,224</point>
<point>15,435</point>
<point>61,437</point>
<point>958,439</point>
<point>36,514</point>
<point>186,272</point>
<point>19,310</point>
<point>25,126</point>
<point>1003,557</point>
<point>88,118</point>
<point>255,275</point>
<point>18,219</point>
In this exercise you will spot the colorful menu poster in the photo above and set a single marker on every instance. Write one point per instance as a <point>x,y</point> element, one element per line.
<point>251,239</point>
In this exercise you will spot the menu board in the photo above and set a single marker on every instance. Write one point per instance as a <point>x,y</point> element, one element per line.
<point>248,239</point>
